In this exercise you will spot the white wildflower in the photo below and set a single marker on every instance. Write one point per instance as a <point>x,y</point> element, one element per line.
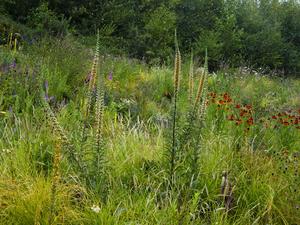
<point>95,208</point>
<point>6,151</point>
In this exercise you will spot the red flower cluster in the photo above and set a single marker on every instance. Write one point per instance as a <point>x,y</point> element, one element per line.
<point>287,118</point>
<point>227,98</point>
<point>240,114</point>
<point>221,100</point>
<point>243,114</point>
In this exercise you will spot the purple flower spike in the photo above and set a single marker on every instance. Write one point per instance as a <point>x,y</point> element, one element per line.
<point>46,85</point>
<point>110,75</point>
<point>46,97</point>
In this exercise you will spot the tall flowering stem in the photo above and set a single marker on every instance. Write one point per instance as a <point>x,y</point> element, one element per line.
<point>191,79</point>
<point>202,109</point>
<point>202,88</point>
<point>99,151</point>
<point>61,135</point>
<point>177,71</point>
<point>92,79</point>
<point>88,101</point>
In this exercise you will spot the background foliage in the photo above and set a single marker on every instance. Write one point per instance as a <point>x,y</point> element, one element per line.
<point>237,32</point>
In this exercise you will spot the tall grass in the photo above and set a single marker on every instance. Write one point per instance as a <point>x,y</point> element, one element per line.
<point>55,180</point>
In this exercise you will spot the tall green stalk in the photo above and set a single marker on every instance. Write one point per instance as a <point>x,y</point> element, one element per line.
<point>177,69</point>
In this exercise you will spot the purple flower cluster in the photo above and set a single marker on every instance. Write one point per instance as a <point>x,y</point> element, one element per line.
<point>13,64</point>
<point>110,75</point>
<point>46,86</point>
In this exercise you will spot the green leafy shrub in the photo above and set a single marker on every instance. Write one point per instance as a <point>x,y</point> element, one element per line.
<point>45,21</point>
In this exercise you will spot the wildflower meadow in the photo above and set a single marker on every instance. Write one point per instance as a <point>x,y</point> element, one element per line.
<point>89,136</point>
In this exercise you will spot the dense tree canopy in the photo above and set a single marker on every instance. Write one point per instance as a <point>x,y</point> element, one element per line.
<point>263,33</point>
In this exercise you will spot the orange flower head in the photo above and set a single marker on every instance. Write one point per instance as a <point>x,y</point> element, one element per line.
<point>226,96</point>
<point>231,117</point>
<point>250,121</point>
<point>248,107</point>
<point>238,121</point>
<point>286,123</point>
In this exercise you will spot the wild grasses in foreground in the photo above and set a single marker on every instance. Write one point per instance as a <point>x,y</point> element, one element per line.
<point>55,180</point>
